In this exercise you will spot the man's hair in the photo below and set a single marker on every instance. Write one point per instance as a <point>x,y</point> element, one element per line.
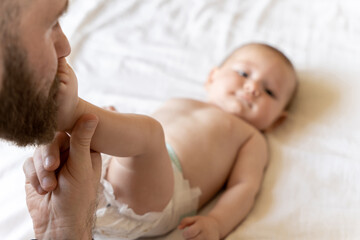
<point>281,55</point>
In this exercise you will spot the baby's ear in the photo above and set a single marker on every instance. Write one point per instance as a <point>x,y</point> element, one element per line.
<point>283,116</point>
<point>210,78</point>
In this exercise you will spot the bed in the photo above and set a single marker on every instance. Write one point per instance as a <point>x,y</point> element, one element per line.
<point>136,54</point>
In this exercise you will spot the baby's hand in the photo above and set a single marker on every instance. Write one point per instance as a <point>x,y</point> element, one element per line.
<point>67,98</point>
<point>200,227</point>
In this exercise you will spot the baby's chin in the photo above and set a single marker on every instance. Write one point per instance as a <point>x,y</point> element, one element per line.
<point>237,112</point>
<point>234,107</point>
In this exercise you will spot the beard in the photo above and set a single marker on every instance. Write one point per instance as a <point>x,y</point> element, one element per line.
<point>27,115</point>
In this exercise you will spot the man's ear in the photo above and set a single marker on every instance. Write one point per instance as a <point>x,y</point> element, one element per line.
<point>210,78</point>
<point>283,116</point>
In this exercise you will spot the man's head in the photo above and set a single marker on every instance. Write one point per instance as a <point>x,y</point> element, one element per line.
<point>256,83</point>
<point>31,44</point>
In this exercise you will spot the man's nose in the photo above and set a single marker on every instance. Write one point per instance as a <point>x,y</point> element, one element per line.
<point>62,44</point>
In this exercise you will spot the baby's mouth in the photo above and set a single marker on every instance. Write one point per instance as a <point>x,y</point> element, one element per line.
<point>244,99</point>
<point>247,102</point>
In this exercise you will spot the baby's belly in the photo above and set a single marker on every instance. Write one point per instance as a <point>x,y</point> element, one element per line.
<point>207,173</point>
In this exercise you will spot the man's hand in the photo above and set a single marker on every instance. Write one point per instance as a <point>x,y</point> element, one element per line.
<point>63,205</point>
<point>67,97</point>
<point>200,228</point>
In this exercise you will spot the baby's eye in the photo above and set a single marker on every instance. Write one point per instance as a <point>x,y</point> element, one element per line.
<point>269,92</point>
<point>243,74</point>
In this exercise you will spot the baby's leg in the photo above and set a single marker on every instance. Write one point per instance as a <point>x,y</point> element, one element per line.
<point>144,182</point>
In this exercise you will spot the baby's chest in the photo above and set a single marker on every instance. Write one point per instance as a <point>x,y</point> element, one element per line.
<point>214,142</point>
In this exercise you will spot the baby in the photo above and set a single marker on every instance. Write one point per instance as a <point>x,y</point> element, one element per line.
<point>166,167</point>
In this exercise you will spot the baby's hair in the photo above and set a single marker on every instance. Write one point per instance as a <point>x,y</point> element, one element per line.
<point>280,54</point>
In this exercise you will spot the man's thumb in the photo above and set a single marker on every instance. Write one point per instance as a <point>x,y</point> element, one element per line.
<point>82,133</point>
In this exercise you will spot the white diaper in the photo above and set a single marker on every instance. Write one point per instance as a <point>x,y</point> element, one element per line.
<point>118,221</point>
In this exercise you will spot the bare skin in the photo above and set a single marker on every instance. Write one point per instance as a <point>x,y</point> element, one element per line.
<point>208,127</point>
<point>33,41</point>
<point>219,142</point>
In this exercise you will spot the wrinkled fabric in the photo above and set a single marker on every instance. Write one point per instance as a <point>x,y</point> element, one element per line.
<point>115,220</point>
<point>135,54</point>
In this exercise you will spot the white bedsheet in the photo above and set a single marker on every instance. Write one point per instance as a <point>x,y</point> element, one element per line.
<point>135,54</point>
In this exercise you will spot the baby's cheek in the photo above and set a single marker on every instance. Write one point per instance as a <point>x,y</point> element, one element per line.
<point>234,106</point>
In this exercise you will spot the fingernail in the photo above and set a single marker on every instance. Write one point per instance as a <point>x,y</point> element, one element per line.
<point>47,182</point>
<point>90,124</point>
<point>49,161</point>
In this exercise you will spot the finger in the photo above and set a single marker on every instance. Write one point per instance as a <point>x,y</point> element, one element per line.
<point>31,177</point>
<point>47,160</point>
<point>51,153</point>
<point>46,178</point>
<point>186,222</point>
<point>80,141</point>
<point>191,232</point>
<point>96,165</point>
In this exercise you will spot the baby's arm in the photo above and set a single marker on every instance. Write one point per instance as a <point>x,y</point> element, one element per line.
<point>116,134</point>
<point>238,198</point>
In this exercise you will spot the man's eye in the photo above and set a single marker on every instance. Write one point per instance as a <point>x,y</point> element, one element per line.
<point>56,24</point>
<point>243,74</point>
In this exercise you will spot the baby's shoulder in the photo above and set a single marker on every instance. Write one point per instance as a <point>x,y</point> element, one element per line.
<point>252,140</point>
<point>183,101</point>
<point>183,104</point>
<point>244,127</point>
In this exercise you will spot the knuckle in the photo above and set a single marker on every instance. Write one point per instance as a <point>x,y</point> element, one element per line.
<point>34,181</point>
<point>25,165</point>
<point>82,142</point>
<point>28,167</point>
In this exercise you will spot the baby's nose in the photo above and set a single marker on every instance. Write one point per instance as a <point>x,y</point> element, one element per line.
<point>253,88</point>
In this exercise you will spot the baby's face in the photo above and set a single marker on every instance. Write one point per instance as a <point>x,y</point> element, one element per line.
<point>255,84</point>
